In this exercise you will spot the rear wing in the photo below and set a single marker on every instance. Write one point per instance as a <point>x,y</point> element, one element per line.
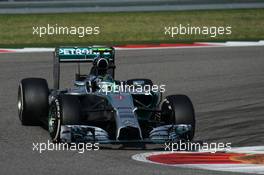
<point>79,54</point>
<point>84,54</point>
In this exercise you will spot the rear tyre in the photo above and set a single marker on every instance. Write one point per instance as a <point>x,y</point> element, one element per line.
<point>178,109</point>
<point>64,110</point>
<point>32,100</point>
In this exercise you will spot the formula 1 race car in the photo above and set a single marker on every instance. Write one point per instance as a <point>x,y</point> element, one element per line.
<point>101,109</point>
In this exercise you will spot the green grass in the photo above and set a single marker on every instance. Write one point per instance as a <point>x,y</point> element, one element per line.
<point>130,28</point>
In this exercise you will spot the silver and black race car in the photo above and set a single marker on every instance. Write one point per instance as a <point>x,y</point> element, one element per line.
<point>101,109</point>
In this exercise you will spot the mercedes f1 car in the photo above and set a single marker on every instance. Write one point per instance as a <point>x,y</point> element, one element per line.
<point>95,110</point>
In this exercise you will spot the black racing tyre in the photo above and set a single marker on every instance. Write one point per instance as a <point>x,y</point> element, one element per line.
<point>64,110</point>
<point>178,109</point>
<point>33,94</point>
<point>139,81</point>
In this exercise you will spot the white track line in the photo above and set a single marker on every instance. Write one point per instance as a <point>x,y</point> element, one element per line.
<point>207,45</point>
<point>240,168</point>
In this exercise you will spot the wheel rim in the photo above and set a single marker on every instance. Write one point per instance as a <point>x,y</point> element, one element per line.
<point>51,120</point>
<point>54,122</point>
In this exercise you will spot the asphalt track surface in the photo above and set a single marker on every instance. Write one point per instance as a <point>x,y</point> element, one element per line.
<point>225,84</point>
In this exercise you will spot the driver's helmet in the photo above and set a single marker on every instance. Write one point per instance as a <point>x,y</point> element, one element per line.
<point>101,65</point>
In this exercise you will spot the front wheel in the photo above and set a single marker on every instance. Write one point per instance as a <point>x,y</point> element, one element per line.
<point>178,109</point>
<point>64,110</point>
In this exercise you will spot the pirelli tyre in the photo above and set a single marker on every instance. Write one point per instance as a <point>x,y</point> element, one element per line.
<point>64,110</point>
<point>32,100</point>
<point>178,109</point>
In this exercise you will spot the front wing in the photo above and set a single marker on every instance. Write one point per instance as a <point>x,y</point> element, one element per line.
<point>91,134</point>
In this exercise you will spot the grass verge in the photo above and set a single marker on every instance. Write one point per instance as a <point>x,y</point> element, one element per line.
<point>129,28</point>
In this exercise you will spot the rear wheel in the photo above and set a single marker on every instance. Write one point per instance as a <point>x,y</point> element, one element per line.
<point>178,109</point>
<point>32,100</point>
<point>64,110</point>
